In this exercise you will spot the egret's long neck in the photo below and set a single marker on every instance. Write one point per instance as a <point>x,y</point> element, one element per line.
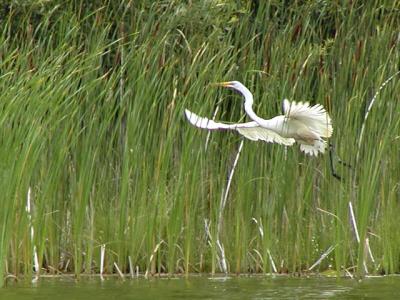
<point>248,108</point>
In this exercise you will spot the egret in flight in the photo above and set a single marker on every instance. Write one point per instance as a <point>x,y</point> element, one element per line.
<point>307,125</point>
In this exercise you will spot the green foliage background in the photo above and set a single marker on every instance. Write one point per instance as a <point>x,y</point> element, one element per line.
<point>92,128</point>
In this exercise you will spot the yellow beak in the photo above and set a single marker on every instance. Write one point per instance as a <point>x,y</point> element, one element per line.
<point>224,84</point>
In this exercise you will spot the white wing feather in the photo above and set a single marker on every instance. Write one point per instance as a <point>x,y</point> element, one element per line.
<point>260,133</point>
<point>314,117</point>
<point>250,130</point>
<point>211,125</point>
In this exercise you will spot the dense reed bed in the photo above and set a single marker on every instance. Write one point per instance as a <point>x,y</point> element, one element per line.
<point>101,173</point>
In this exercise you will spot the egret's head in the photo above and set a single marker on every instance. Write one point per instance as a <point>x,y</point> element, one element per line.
<point>236,85</point>
<point>240,88</point>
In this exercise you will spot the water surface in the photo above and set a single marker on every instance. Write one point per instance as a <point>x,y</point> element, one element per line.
<point>202,287</point>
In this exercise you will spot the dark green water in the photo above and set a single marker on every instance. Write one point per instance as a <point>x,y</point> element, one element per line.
<point>207,288</point>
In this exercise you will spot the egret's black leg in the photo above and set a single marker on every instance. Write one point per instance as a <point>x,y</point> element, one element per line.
<point>331,153</point>
<point>338,177</point>
<point>332,148</point>
<point>343,162</point>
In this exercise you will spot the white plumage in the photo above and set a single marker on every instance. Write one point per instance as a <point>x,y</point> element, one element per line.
<point>250,130</point>
<point>307,125</point>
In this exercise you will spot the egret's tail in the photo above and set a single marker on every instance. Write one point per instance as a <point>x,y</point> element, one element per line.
<point>314,149</point>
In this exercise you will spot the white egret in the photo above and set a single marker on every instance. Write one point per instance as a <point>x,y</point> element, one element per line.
<point>300,122</point>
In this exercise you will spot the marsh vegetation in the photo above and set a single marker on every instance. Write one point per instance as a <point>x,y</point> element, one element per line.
<point>94,139</point>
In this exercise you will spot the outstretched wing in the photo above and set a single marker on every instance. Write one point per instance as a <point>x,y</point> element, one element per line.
<point>211,125</point>
<point>260,133</point>
<point>250,130</point>
<point>314,117</point>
